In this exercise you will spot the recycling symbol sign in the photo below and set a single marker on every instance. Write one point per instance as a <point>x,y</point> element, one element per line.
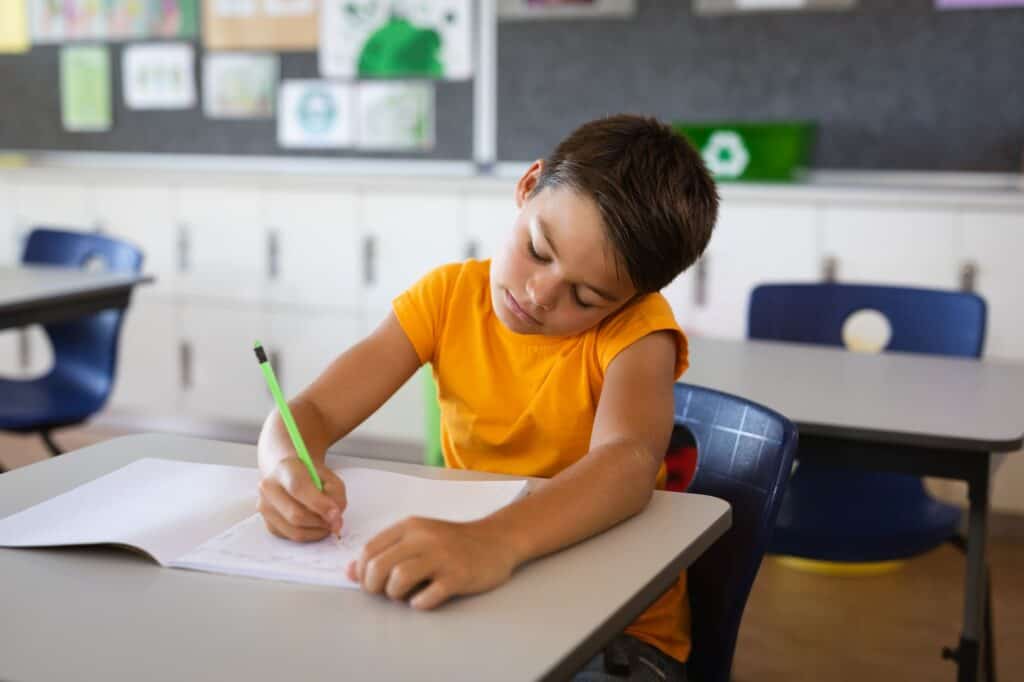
<point>725,154</point>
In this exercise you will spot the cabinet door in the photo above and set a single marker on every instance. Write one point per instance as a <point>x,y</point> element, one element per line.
<point>488,223</point>
<point>222,243</point>
<point>752,244</point>
<point>52,203</point>
<point>305,343</point>
<point>891,245</point>
<point>408,233</point>
<point>314,248</point>
<point>222,379</point>
<point>148,378</point>
<point>144,216</point>
<point>993,242</point>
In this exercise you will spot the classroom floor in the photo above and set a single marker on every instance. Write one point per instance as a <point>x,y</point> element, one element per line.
<point>806,627</point>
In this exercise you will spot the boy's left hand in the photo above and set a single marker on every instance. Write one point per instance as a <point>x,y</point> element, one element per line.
<point>436,559</point>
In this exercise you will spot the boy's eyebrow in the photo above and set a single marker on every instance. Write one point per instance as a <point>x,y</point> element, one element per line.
<point>600,292</point>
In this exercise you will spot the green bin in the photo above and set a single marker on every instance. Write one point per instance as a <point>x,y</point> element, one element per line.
<point>432,454</point>
<point>751,152</point>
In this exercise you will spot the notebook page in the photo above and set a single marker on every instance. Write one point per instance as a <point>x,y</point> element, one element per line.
<point>162,507</point>
<point>376,500</point>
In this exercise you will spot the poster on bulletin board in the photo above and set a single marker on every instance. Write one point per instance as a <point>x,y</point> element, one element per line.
<point>58,21</point>
<point>280,25</point>
<point>396,39</point>
<point>737,6</point>
<point>977,4</point>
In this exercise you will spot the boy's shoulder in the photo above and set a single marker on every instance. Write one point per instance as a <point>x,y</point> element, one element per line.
<point>651,308</point>
<point>470,269</point>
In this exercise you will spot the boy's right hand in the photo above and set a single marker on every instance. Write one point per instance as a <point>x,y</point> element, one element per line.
<point>294,509</point>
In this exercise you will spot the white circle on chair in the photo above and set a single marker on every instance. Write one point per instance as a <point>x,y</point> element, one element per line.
<point>94,263</point>
<point>866,331</point>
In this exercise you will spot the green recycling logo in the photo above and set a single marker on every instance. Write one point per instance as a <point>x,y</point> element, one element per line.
<point>725,154</point>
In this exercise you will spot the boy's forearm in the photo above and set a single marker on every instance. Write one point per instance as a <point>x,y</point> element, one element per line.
<point>610,484</point>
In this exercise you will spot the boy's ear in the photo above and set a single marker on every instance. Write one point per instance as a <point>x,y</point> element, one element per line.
<point>528,182</point>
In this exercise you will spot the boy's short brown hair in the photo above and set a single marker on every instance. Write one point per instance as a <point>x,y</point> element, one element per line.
<point>656,197</point>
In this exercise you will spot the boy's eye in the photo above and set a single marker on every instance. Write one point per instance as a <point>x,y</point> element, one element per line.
<point>576,297</point>
<point>533,252</point>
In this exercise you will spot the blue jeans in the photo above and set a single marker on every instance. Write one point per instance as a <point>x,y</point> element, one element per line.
<point>626,658</point>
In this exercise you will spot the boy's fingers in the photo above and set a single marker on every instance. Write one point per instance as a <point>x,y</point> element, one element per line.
<point>380,568</point>
<point>380,543</point>
<point>299,484</point>
<point>406,576</point>
<point>288,508</point>
<point>278,526</point>
<point>434,594</point>
<point>334,488</point>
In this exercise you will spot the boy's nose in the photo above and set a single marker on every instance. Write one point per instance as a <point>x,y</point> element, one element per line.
<point>542,292</point>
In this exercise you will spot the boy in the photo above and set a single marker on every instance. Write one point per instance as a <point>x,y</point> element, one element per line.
<point>555,359</point>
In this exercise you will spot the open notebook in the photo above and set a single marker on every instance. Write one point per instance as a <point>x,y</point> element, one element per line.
<point>200,516</point>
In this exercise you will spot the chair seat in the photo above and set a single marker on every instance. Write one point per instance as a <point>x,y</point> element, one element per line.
<point>852,516</point>
<point>49,401</point>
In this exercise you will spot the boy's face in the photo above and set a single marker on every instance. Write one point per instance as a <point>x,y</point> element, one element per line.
<point>556,274</point>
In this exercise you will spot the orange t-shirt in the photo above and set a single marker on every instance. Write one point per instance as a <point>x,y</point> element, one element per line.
<point>525,404</point>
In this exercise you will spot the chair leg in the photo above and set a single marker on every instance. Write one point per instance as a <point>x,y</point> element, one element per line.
<point>960,542</point>
<point>48,439</point>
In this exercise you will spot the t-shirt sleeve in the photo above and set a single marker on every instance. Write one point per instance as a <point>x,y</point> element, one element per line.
<point>648,315</point>
<point>421,308</point>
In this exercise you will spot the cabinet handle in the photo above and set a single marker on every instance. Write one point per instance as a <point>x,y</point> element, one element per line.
<point>273,254</point>
<point>24,349</point>
<point>472,248</point>
<point>183,248</point>
<point>185,363</point>
<point>700,285</point>
<point>369,260</point>
<point>969,276</point>
<point>829,269</point>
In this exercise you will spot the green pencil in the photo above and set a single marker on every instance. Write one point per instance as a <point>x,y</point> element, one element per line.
<point>286,416</point>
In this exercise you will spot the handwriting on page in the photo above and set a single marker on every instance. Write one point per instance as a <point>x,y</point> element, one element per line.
<point>249,549</point>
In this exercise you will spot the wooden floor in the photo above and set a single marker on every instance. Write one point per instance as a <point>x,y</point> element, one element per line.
<point>807,627</point>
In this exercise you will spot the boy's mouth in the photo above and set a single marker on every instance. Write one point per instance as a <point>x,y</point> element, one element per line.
<point>517,310</point>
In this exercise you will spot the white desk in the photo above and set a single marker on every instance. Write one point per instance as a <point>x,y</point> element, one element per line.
<point>936,416</point>
<point>101,613</point>
<point>36,294</point>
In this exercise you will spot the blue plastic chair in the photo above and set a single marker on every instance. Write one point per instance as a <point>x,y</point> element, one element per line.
<point>84,350</point>
<point>744,456</point>
<point>852,516</point>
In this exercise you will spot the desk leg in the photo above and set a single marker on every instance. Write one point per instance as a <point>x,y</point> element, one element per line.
<point>972,637</point>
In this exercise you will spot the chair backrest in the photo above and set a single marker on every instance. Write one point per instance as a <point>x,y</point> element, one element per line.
<point>921,320</point>
<point>744,456</point>
<point>85,348</point>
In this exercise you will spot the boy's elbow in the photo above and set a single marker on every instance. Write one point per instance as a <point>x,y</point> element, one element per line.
<point>646,463</point>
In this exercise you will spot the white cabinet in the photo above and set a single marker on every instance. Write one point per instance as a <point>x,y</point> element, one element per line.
<point>52,203</point>
<point>315,248</point>
<point>142,215</point>
<point>305,342</point>
<point>408,234</point>
<point>148,373</point>
<point>488,222</point>
<point>222,380</point>
<point>993,241</point>
<point>753,243</point>
<point>222,243</point>
<point>891,245</point>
